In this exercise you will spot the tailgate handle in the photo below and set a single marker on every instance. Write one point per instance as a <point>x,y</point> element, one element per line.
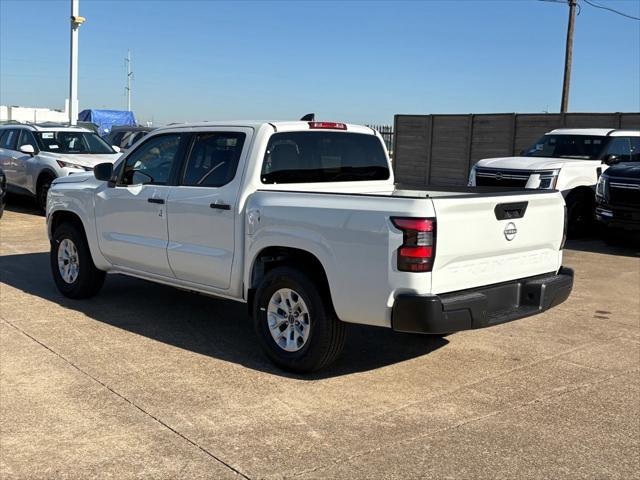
<point>508,211</point>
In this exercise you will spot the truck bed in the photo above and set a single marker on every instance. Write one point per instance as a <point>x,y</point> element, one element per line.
<point>359,242</point>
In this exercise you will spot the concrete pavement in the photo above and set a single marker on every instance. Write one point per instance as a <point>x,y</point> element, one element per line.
<point>145,381</point>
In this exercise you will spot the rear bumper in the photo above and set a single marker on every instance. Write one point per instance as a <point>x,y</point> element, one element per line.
<point>482,307</point>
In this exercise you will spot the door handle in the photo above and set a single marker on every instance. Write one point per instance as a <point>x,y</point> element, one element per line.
<point>221,206</point>
<point>508,211</point>
<point>156,200</point>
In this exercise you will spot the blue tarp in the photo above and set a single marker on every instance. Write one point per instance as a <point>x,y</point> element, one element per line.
<point>105,119</point>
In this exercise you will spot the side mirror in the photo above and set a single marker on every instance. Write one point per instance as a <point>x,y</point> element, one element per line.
<point>116,148</point>
<point>611,159</point>
<point>28,149</point>
<point>103,171</point>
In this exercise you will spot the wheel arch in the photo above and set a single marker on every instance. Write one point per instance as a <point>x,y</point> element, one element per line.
<point>581,190</point>
<point>44,173</point>
<point>276,256</point>
<point>59,217</point>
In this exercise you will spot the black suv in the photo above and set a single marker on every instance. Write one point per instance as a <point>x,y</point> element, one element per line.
<point>618,198</point>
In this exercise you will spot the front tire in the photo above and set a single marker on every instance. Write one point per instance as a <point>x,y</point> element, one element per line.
<point>295,322</point>
<point>74,272</point>
<point>580,213</point>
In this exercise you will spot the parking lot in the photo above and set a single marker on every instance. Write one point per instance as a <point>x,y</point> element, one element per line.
<point>148,381</point>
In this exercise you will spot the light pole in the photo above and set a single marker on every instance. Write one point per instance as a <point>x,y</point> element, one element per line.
<point>76,21</point>
<point>568,57</point>
<point>129,76</point>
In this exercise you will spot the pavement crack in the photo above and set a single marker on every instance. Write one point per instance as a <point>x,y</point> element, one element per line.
<point>493,376</point>
<point>461,423</point>
<point>130,402</point>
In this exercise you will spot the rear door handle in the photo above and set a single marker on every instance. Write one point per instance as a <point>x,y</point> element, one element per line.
<point>220,206</point>
<point>156,200</point>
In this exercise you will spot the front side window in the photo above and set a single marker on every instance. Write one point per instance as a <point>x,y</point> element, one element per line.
<point>116,138</point>
<point>620,147</point>
<point>307,157</point>
<point>69,142</point>
<point>151,163</point>
<point>213,159</point>
<point>27,138</point>
<point>8,139</point>
<point>583,147</point>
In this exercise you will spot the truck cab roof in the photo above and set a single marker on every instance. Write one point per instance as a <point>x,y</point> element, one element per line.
<point>278,126</point>
<point>596,132</point>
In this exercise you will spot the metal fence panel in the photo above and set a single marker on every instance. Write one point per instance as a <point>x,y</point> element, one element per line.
<point>450,147</point>
<point>440,149</point>
<point>414,147</point>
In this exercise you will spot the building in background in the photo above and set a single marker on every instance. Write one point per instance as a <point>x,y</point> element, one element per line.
<point>33,114</point>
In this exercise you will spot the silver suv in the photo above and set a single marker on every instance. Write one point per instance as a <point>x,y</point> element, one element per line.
<point>32,156</point>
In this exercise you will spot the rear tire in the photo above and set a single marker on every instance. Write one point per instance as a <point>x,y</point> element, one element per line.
<point>580,212</point>
<point>44,184</point>
<point>295,322</point>
<point>74,272</point>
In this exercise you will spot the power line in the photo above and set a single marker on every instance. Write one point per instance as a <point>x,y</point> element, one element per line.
<point>595,5</point>
<point>603,7</point>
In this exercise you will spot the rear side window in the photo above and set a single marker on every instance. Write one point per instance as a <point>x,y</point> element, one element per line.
<point>8,139</point>
<point>213,159</point>
<point>621,147</point>
<point>309,157</point>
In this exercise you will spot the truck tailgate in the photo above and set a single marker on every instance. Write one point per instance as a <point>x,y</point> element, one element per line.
<point>486,239</point>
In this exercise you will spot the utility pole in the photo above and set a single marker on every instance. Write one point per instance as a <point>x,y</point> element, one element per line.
<point>76,21</point>
<point>568,57</point>
<point>129,78</point>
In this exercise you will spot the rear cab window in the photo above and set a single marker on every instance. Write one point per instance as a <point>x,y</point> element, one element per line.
<point>314,157</point>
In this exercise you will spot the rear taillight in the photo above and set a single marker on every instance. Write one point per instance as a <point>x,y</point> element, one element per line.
<point>327,126</point>
<point>418,249</point>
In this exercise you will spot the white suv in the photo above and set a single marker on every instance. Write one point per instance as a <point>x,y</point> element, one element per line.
<point>33,156</point>
<point>568,160</point>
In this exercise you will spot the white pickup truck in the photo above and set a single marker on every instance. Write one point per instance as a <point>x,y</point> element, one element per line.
<point>302,221</point>
<point>567,159</point>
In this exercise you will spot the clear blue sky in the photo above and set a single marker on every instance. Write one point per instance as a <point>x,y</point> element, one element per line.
<point>359,61</point>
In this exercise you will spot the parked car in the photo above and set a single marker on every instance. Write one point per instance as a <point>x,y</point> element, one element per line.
<point>618,200</point>
<point>3,191</point>
<point>125,137</point>
<point>32,156</point>
<point>302,221</point>
<point>569,160</point>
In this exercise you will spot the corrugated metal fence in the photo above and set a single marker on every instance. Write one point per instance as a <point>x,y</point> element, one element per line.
<point>441,149</point>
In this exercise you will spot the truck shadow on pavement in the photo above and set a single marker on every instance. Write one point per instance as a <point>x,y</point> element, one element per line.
<point>627,246</point>
<point>208,326</point>
<point>22,204</point>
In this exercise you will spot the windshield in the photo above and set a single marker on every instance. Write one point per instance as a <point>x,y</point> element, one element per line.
<point>567,146</point>
<point>72,142</point>
<point>307,157</point>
